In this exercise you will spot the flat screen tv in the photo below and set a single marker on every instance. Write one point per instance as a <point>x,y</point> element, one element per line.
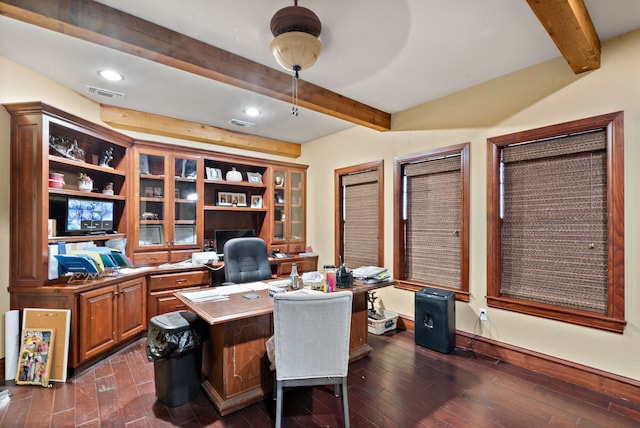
<point>223,235</point>
<point>88,216</point>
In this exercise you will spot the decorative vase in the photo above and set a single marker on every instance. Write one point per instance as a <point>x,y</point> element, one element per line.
<point>234,175</point>
<point>85,186</point>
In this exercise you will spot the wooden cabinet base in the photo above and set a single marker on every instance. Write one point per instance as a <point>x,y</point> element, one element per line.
<point>235,365</point>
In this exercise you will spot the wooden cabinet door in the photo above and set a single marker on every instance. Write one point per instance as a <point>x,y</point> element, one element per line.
<point>132,301</point>
<point>98,322</point>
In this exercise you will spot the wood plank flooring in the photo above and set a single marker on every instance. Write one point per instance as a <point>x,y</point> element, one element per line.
<point>399,385</point>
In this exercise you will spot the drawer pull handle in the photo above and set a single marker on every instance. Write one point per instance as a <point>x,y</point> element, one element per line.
<point>180,281</point>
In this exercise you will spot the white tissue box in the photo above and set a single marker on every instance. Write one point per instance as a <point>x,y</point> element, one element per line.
<point>206,257</point>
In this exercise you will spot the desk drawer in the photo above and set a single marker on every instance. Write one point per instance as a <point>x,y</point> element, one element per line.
<point>152,258</point>
<point>304,265</point>
<point>178,280</point>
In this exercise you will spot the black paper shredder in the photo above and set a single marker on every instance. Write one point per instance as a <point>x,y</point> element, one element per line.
<point>435,319</point>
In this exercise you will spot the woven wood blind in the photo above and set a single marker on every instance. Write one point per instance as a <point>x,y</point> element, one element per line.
<point>361,219</point>
<point>433,223</point>
<point>554,231</point>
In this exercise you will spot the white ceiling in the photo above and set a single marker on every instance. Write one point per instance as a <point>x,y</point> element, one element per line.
<point>389,54</point>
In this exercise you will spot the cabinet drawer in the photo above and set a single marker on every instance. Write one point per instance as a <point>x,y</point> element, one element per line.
<point>163,302</point>
<point>305,265</point>
<point>152,258</point>
<point>178,280</point>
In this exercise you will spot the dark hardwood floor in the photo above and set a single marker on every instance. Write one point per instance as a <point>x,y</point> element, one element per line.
<point>398,385</point>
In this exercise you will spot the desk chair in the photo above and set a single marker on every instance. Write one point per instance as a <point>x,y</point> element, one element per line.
<point>246,260</point>
<point>310,345</point>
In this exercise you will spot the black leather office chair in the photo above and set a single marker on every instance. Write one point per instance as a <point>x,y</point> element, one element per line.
<point>246,260</point>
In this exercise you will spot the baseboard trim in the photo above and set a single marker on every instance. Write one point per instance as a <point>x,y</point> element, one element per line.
<point>578,374</point>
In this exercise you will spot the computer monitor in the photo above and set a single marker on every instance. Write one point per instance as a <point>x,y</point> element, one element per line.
<point>223,235</point>
<point>88,215</point>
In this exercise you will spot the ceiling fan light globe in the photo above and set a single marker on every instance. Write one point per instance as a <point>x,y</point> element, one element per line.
<point>296,48</point>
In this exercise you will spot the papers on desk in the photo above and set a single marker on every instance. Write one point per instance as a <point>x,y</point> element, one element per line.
<point>371,274</point>
<point>223,292</point>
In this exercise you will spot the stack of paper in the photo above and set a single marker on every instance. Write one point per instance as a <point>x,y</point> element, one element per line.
<point>371,274</point>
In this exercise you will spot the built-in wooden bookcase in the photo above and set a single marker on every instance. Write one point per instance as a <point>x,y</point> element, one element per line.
<point>167,201</point>
<point>240,204</point>
<point>50,150</point>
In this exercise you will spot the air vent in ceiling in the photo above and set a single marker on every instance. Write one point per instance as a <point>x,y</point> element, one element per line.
<point>104,92</point>
<point>242,123</point>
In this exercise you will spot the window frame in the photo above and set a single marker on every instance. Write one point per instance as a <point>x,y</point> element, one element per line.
<point>614,320</point>
<point>400,162</point>
<point>339,206</point>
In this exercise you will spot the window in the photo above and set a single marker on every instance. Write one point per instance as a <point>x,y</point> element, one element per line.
<point>556,222</point>
<point>359,214</point>
<point>431,220</point>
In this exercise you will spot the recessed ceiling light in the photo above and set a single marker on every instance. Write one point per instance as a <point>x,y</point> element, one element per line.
<point>111,75</point>
<point>252,111</point>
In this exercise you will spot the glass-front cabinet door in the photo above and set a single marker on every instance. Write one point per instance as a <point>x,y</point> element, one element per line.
<point>186,202</point>
<point>288,227</point>
<point>168,211</point>
<point>152,213</point>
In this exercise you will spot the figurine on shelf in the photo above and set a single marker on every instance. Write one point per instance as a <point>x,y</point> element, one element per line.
<point>108,189</point>
<point>85,183</point>
<point>66,148</point>
<point>107,156</point>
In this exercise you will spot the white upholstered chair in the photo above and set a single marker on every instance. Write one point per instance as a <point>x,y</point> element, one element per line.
<point>310,345</point>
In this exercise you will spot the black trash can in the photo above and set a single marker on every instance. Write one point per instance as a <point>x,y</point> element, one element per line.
<point>435,319</point>
<point>174,344</point>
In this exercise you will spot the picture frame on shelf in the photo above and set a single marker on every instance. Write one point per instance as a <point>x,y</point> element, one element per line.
<point>254,177</point>
<point>256,201</point>
<point>151,234</point>
<point>214,173</point>
<point>223,200</point>
<point>239,199</point>
<point>279,180</point>
<point>228,199</point>
<point>185,234</point>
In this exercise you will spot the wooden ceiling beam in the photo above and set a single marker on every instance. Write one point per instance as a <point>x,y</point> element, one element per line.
<point>123,118</point>
<point>571,29</point>
<point>97,23</point>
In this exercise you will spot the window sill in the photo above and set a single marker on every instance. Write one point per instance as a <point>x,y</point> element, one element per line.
<point>573,316</point>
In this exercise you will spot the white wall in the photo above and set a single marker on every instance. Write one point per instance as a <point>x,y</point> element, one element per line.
<point>542,95</point>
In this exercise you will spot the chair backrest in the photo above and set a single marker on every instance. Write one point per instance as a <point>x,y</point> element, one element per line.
<point>312,332</point>
<point>246,260</point>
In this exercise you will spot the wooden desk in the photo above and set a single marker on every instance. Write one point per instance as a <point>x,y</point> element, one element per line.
<point>235,367</point>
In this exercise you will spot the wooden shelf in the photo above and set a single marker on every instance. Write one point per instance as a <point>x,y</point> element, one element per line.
<point>53,159</point>
<point>235,184</point>
<point>244,209</point>
<point>78,238</point>
<point>71,192</point>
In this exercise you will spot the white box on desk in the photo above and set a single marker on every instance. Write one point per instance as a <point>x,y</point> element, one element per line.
<point>388,323</point>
